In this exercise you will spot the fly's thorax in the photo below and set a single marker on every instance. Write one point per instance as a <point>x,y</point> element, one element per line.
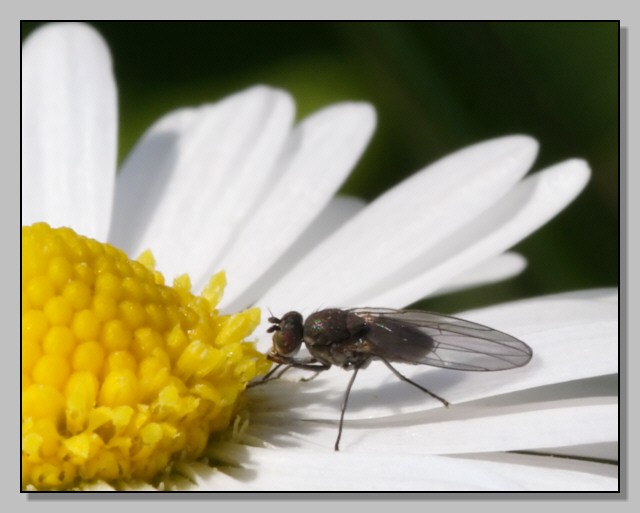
<point>332,326</point>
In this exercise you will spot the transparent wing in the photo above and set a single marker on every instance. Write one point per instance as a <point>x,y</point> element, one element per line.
<point>428,338</point>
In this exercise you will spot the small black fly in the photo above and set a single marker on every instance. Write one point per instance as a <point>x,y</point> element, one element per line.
<point>352,339</point>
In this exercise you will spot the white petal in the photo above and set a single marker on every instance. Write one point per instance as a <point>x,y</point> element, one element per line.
<point>462,428</point>
<point>230,147</point>
<point>608,295</point>
<point>296,469</point>
<point>527,207</point>
<point>399,227</point>
<point>319,155</point>
<point>339,210</point>
<point>542,461</point>
<point>597,386</point>
<point>606,451</point>
<point>546,313</point>
<point>69,124</point>
<point>519,426</point>
<point>497,268</point>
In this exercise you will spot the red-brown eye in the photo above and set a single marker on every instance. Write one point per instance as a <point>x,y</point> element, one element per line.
<point>286,343</point>
<point>287,333</point>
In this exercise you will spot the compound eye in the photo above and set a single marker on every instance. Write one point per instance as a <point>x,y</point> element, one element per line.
<point>286,343</point>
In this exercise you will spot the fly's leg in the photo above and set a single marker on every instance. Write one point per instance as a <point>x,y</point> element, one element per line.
<point>314,375</point>
<point>291,363</point>
<point>404,378</point>
<point>356,368</point>
<point>317,368</point>
<point>268,376</point>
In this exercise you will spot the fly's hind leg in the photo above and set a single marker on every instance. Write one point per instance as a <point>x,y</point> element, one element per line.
<point>404,378</point>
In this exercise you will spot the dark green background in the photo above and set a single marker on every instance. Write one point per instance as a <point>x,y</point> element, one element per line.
<point>437,86</point>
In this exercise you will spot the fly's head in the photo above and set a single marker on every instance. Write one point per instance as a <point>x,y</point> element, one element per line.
<point>287,336</point>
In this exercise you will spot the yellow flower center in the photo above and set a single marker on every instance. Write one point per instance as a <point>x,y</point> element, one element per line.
<point>122,376</point>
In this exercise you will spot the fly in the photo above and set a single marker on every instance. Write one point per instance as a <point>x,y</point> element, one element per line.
<point>352,339</point>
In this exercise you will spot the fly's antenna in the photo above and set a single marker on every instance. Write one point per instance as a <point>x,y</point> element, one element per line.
<point>273,320</point>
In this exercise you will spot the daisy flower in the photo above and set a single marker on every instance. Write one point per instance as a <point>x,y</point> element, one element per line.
<point>124,376</point>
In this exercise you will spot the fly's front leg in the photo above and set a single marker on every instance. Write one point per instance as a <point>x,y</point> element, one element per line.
<point>268,376</point>
<point>314,375</point>
<point>308,363</point>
